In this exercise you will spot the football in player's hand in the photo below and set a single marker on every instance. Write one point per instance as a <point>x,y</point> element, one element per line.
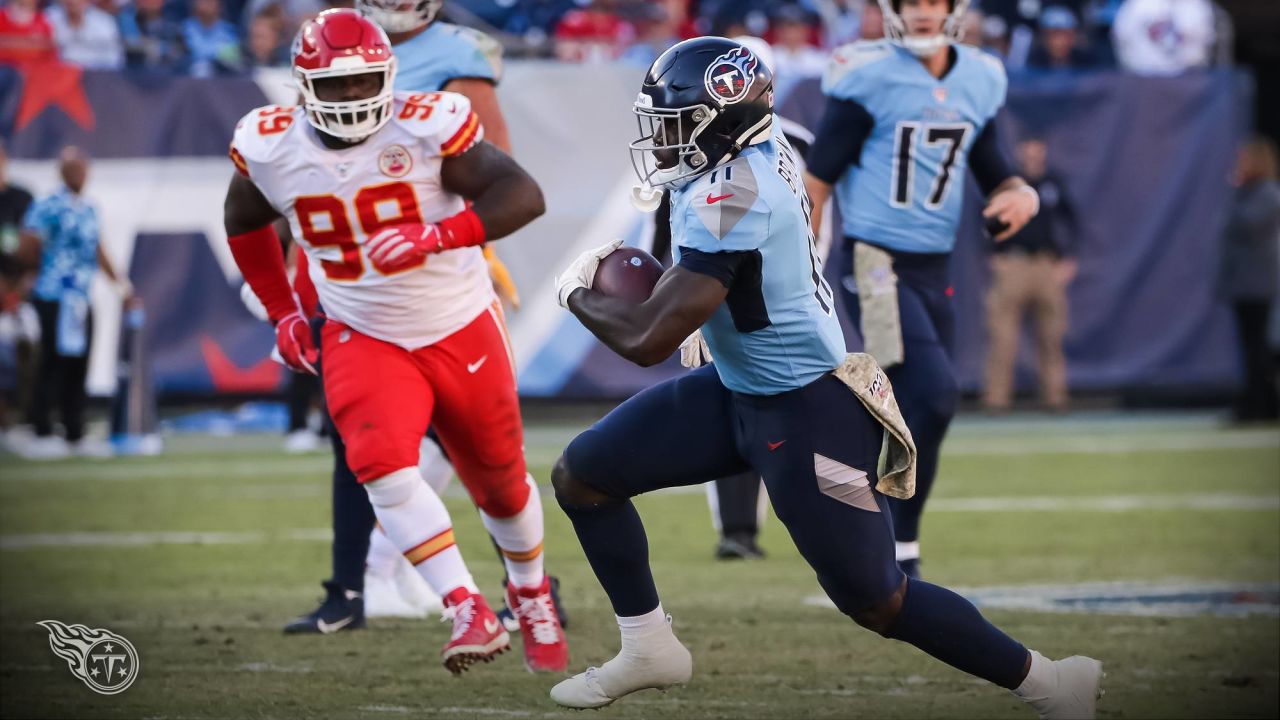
<point>627,274</point>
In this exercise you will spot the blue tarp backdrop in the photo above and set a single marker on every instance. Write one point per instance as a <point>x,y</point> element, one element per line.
<point>1146,161</point>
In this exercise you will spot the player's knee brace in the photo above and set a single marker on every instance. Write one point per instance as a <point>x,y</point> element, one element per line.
<point>394,488</point>
<point>572,492</point>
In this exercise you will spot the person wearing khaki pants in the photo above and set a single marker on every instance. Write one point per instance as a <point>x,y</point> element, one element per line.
<point>1030,272</point>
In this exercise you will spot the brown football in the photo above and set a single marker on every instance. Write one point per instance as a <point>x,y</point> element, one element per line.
<point>627,274</point>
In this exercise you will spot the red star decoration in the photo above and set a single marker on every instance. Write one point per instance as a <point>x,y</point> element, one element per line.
<point>228,378</point>
<point>58,85</point>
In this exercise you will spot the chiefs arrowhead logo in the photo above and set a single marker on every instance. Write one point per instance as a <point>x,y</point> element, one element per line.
<point>730,77</point>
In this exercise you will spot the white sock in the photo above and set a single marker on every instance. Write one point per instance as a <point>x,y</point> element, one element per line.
<point>520,538</point>
<point>906,551</point>
<point>383,554</point>
<point>434,466</point>
<point>418,523</point>
<point>1041,680</point>
<point>636,627</point>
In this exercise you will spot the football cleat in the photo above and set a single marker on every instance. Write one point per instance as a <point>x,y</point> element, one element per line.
<point>738,547</point>
<point>341,609</point>
<point>509,620</point>
<point>545,647</point>
<point>1077,687</point>
<point>477,635</point>
<point>658,660</point>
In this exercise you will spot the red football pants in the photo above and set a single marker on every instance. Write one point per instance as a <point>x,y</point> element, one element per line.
<point>382,399</point>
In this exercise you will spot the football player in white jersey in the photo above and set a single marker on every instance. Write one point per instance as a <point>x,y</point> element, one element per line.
<point>391,195</point>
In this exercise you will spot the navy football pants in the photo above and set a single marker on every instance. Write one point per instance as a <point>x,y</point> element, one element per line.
<point>694,428</point>
<point>925,382</point>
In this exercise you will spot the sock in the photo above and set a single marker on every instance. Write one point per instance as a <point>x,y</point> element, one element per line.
<point>519,538</point>
<point>418,523</point>
<point>352,521</point>
<point>637,626</point>
<point>906,551</point>
<point>1041,679</point>
<point>952,630</point>
<point>613,539</point>
<point>383,554</point>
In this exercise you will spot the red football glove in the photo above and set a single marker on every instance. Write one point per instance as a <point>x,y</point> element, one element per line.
<point>293,341</point>
<point>404,246</point>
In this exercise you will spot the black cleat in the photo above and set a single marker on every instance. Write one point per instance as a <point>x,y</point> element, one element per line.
<point>342,609</point>
<point>509,620</point>
<point>738,547</point>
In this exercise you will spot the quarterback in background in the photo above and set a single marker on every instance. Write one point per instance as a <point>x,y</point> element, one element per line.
<point>391,195</point>
<point>782,398</point>
<point>905,117</point>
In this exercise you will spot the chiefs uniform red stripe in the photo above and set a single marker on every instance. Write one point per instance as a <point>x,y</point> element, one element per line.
<point>238,160</point>
<point>464,138</point>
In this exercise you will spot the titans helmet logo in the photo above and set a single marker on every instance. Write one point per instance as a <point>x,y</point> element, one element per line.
<point>730,77</point>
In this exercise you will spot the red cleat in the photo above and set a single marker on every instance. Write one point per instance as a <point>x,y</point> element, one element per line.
<point>545,647</point>
<point>477,633</point>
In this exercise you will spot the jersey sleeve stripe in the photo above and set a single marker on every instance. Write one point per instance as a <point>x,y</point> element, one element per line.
<point>238,160</point>
<point>464,138</point>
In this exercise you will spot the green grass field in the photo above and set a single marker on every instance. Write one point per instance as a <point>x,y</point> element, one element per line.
<point>1021,502</point>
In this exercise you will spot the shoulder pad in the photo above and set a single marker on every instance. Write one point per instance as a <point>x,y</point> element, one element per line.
<point>488,52</point>
<point>258,133</point>
<point>850,57</point>
<point>443,120</point>
<point>726,195</point>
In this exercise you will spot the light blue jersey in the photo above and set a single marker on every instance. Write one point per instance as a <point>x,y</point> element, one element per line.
<point>777,330</point>
<point>68,230</point>
<point>444,52</point>
<point>908,188</point>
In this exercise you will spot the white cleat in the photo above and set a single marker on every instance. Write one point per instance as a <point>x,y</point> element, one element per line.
<point>382,598</point>
<point>301,441</point>
<point>1077,685</point>
<point>659,661</point>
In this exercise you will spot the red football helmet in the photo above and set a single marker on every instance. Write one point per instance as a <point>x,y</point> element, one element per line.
<point>342,43</point>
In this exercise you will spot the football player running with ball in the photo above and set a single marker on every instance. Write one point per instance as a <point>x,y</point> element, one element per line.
<point>782,398</point>
<point>375,185</point>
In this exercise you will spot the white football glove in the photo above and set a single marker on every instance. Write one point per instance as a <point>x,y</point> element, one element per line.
<point>582,271</point>
<point>251,301</point>
<point>694,352</point>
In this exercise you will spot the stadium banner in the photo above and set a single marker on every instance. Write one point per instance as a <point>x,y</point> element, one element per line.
<point>1142,307</point>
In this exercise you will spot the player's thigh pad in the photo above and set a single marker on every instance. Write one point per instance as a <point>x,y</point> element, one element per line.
<point>378,398</point>
<point>679,432</point>
<point>817,449</point>
<point>477,415</point>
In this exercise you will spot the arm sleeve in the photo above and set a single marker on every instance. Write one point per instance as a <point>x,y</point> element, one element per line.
<point>723,266</point>
<point>988,159</point>
<point>844,127</point>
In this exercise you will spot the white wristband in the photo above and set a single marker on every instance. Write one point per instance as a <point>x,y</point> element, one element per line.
<point>1034,194</point>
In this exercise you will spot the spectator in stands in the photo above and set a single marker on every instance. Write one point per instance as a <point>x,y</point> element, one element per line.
<point>1250,273</point>
<point>591,35</point>
<point>995,36</point>
<point>18,330</point>
<point>795,57</point>
<point>263,45</point>
<point>152,39</point>
<point>25,35</point>
<point>872,21</point>
<point>214,43</point>
<point>64,226</point>
<point>841,20</point>
<point>288,13</point>
<point>655,32</point>
<point>1059,43</point>
<point>1165,37</point>
<point>86,35</point>
<point>1029,274</point>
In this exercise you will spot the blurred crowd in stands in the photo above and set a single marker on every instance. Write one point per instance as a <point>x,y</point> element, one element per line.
<point>219,37</point>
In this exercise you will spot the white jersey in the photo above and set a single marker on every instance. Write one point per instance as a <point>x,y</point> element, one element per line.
<point>335,200</point>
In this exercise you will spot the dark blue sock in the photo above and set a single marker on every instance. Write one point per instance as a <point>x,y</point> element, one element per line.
<point>353,520</point>
<point>613,539</point>
<point>952,630</point>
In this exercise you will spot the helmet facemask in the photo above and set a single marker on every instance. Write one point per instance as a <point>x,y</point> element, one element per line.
<point>399,16</point>
<point>667,153</point>
<point>896,30</point>
<point>349,120</point>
